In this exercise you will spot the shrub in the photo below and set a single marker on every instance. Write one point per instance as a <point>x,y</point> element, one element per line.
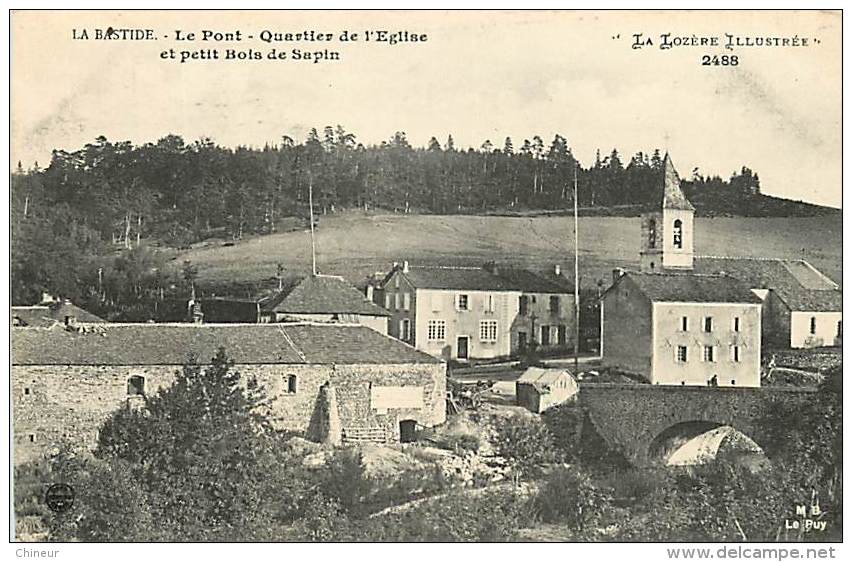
<point>526,443</point>
<point>570,496</point>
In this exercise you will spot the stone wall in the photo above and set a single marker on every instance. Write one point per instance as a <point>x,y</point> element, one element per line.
<point>51,404</point>
<point>631,416</point>
<point>626,329</point>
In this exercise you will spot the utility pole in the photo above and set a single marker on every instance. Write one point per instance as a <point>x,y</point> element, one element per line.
<point>576,282</point>
<point>313,241</point>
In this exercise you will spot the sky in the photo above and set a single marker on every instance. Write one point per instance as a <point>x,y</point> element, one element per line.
<point>478,76</point>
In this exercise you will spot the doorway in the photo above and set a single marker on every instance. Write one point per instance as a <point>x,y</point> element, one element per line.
<point>407,431</point>
<point>462,347</point>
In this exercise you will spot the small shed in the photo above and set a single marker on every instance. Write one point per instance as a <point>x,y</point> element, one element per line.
<point>539,389</point>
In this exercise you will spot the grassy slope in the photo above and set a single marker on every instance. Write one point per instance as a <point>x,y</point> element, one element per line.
<point>355,245</point>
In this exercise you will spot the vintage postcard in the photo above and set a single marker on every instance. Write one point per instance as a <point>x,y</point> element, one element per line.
<point>427,276</point>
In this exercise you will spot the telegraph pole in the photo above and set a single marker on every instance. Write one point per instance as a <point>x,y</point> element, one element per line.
<point>313,241</point>
<point>576,281</point>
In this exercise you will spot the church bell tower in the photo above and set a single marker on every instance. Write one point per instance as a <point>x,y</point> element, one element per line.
<point>667,233</point>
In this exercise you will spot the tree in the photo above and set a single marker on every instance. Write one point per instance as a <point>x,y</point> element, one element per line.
<point>205,453</point>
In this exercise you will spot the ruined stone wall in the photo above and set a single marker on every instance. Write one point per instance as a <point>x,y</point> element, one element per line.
<point>52,404</point>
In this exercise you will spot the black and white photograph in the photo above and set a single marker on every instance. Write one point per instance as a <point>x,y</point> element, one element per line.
<point>426,276</point>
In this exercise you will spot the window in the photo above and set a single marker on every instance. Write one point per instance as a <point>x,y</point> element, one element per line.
<point>436,330</point>
<point>652,234</point>
<point>396,281</point>
<point>523,305</point>
<point>736,325</point>
<point>545,335</point>
<point>405,329</point>
<point>396,301</point>
<point>462,302</point>
<point>709,353</point>
<point>735,353</point>
<point>554,305</point>
<point>136,385</point>
<point>680,355</point>
<point>708,324</point>
<point>840,328</point>
<point>31,437</point>
<point>406,301</point>
<point>387,301</point>
<point>489,303</point>
<point>27,391</point>
<point>684,324</point>
<point>678,234</point>
<point>561,334</point>
<point>813,325</point>
<point>488,330</point>
<point>291,384</point>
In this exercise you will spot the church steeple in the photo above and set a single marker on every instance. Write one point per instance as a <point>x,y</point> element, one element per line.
<point>667,232</point>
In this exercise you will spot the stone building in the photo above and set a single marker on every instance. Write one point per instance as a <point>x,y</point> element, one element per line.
<point>682,328</point>
<point>539,389</point>
<point>52,311</point>
<point>65,383</point>
<point>671,324</point>
<point>478,312</point>
<point>316,298</point>
<point>802,307</point>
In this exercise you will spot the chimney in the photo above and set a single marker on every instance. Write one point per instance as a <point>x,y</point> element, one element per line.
<point>370,292</point>
<point>405,266</point>
<point>46,298</point>
<point>395,265</point>
<point>616,274</point>
<point>557,270</point>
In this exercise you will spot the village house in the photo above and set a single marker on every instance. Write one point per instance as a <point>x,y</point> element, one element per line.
<point>316,298</point>
<point>672,325</point>
<point>51,311</point>
<point>539,389</point>
<point>478,312</point>
<point>801,306</point>
<point>334,382</point>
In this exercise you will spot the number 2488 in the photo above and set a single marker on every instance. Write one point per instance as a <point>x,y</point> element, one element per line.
<point>720,60</point>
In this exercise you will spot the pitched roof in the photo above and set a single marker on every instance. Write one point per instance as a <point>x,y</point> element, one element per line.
<point>541,379</point>
<point>691,287</point>
<point>321,294</point>
<point>47,315</point>
<point>170,344</point>
<point>800,285</point>
<point>673,196</point>
<point>488,278</point>
<point>460,278</point>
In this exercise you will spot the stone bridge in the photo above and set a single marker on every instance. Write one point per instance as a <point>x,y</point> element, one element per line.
<point>636,419</point>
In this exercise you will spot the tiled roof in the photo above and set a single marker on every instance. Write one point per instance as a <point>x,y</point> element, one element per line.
<point>529,282</point>
<point>673,196</point>
<point>47,315</point>
<point>170,344</point>
<point>692,287</point>
<point>322,294</point>
<point>488,278</point>
<point>801,286</point>
<point>460,278</point>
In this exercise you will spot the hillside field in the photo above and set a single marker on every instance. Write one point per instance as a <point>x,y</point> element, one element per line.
<point>355,245</point>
